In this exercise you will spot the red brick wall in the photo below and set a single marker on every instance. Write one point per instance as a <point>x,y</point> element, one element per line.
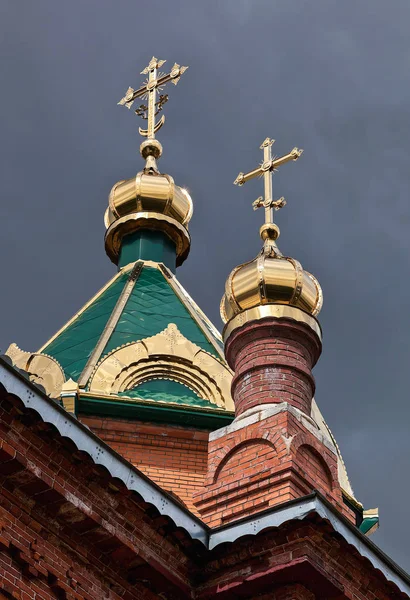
<point>36,566</point>
<point>174,457</point>
<point>68,531</point>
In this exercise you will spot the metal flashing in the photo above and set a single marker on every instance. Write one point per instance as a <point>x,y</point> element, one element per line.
<point>153,410</point>
<point>111,323</point>
<point>301,509</point>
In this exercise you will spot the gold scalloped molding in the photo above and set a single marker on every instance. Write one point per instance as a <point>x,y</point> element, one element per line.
<point>341,467</point>
<point>166,355</point>
<point>42,369</point>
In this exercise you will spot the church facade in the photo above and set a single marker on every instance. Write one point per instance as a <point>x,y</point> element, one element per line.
<point>143,455</point>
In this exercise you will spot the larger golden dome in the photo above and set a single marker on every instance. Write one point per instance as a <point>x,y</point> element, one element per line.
<point>270,278</point>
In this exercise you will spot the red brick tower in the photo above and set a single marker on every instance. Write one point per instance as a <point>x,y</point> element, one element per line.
<point>274,451</point>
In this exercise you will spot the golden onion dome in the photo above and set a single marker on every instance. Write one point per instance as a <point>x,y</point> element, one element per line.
<point>150,200</point>
<point>270,278</point>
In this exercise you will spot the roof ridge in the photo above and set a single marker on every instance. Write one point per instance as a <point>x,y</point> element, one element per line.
<point>111,323</point>
<point>203,322</point>
<point>89,303</point>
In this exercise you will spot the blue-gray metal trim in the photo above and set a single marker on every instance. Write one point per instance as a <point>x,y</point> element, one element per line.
<point>301,509</point>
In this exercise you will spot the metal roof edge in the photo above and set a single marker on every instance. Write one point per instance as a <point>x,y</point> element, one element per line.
<point>300,509</point>
<point>68,426</point>
<point>162,412</point>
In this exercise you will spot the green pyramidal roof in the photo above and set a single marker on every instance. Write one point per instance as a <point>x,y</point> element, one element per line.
<point>141,301</point>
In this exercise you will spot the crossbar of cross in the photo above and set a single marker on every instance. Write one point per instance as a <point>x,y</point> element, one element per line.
<point>268,166</point>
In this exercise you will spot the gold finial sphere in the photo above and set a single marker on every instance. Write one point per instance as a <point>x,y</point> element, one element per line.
<point>269,231</point>
<point>151,147</point>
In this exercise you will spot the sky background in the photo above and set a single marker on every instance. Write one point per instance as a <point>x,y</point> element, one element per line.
<point>328,76</point>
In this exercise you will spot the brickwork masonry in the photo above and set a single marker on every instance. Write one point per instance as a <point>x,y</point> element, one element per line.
<point>268,457</point>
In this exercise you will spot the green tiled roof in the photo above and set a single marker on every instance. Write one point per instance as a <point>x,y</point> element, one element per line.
<point>165,390</point>
<point>73,346</point>
<point>150,308</point>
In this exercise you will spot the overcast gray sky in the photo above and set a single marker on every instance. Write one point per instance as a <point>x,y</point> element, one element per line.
<point>328,76</point>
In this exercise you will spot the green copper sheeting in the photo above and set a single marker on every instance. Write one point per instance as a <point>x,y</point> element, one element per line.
<point>369,525</point>
<point>151,306</point>
<point>166,390</point>
<point>147,245</point>
<point>149,310</point>
<point>74,345</point>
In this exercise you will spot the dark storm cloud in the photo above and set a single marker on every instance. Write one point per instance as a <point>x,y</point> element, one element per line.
<point>330,77</point>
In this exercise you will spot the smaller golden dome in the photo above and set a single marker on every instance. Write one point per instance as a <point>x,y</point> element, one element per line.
<point>270,278</point>
<point>150,200</point>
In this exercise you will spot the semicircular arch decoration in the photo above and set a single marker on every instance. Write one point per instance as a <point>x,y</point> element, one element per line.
<point>43,370</point>
<point>166,355</point>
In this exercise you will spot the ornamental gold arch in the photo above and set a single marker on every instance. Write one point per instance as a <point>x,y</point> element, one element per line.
<point>167,355</point>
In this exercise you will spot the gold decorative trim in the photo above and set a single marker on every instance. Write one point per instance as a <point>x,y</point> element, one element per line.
<point>230,296</point>
<point>18,356</point>
<point>260,265</point>
<point>69,404</point>
<point>222,310</point>
<point>147,263</point>
<point>277,311</point>
<point>298,280</point>
<point>69,388</point>
<point>319,300</point>
<point>167,355</point>
<point>343,477</point>
<point>80,312</point>
<point>111,323</point>
<point>42,369</point>
<point>151,220</point>
<point>351,498</point>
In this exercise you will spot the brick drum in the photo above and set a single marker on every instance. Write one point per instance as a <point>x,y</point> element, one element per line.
<point>273,360</point>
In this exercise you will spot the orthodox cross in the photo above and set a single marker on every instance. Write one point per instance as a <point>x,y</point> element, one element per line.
<point>269,165</point>
<point>154,82</point>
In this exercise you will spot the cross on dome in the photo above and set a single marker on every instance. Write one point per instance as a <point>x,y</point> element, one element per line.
<point>266,168</point>
<point>154,82</point>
